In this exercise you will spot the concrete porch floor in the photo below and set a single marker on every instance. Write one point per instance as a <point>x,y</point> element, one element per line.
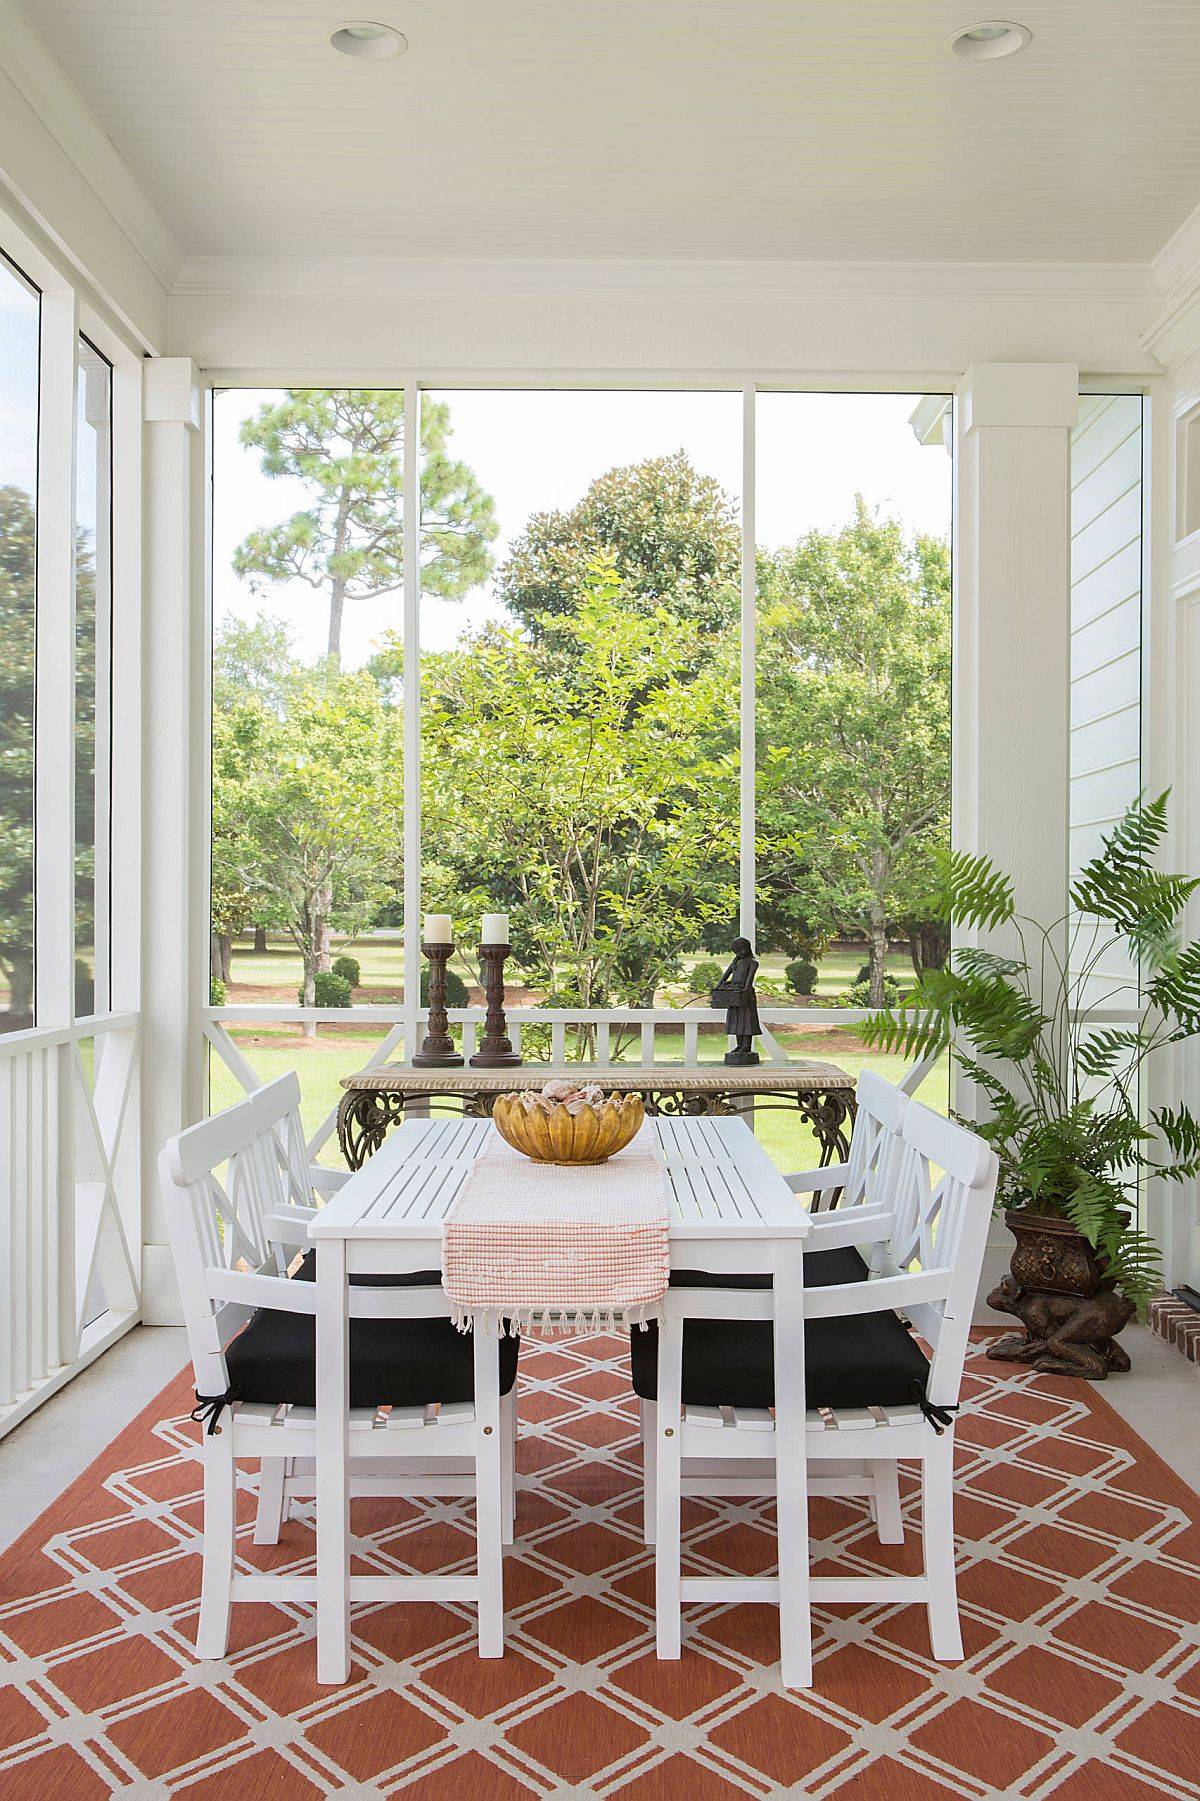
<point>1160,1398</point>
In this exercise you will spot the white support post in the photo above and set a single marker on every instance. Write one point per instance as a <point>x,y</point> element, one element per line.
<point>748,900</point>
<point>1012,546</point>
<point>125,911</point>
<point>171,896</point>
<point>412,716</point>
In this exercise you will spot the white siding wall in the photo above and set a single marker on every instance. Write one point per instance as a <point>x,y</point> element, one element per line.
<point>1106,640</point>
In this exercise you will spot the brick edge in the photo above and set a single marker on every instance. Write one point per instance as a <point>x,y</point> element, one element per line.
<point>1177,1324</point>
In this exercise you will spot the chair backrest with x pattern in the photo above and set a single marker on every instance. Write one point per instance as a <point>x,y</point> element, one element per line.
<point>940,1233</point>
<point>876,1143</point>
<point>222,1222</point>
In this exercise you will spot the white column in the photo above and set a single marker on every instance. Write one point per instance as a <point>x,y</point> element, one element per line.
<point>171,900</point>
<point>1012,544</point>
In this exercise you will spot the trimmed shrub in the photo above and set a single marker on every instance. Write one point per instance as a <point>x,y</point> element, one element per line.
<point>329,990</point>
<point>860,994</point>
<point>456,990</point>
<point>216,991</point>
<point>801,976</point>
<point>705,976</point>
<point>349,967</point>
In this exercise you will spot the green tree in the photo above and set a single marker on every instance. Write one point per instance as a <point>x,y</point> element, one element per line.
<point>17,669</point>
<point>307,806</point>
<point>347,445</point>
<point>595,792</point>
<point>854,723</point>
<point>672,533</point>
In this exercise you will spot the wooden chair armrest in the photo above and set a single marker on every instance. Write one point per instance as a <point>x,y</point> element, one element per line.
<point>848,1226</point>
<point>815,1181</point>
<point>327,1181</point>
<point>888,1294</point>
<point>278,1293</point>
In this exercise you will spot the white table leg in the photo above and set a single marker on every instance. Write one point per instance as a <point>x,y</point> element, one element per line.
<point>791,1467</point>
<point>489,1506</point>
<point>667,1605</point>
<point>333,1463</point>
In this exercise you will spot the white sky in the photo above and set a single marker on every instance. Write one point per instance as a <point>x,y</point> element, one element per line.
<point>18,381</point>
<point>534,451</point>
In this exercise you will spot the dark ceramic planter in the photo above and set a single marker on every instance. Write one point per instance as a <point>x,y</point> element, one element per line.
<point>1059,1291</point>
<point>1051,1255</point>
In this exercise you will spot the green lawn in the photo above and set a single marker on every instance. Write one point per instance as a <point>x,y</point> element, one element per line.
<point>382,961</point>
<point>339,1050</point>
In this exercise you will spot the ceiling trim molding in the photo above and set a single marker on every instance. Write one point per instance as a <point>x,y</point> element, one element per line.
<point>1175,334</point>
<point>64,113</point>
<point>238,277</point>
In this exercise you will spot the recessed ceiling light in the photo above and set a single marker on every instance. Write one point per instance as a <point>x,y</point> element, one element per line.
<point>995,37</point>
<point>365,39</point>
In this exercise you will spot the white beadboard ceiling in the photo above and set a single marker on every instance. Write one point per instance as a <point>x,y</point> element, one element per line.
<point>822,129</point>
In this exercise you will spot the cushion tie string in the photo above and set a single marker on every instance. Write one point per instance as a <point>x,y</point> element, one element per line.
<point>939,1417</point>
<point>209,1408</point>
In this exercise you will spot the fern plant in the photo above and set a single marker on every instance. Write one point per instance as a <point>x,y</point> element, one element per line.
<point>1062,1088</point>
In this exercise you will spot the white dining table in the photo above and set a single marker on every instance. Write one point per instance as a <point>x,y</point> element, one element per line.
<point>730,1213</point>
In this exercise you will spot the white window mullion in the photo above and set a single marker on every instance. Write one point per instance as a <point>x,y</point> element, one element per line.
<point>412,715</point>
<point>54,875</point>
<point>746,857</point>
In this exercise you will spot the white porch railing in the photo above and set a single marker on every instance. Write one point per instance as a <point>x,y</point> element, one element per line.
<point>630,1034</point>
<point>70,1203</point>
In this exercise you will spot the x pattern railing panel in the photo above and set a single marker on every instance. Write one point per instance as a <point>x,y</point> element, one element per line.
<point>69,1203</point>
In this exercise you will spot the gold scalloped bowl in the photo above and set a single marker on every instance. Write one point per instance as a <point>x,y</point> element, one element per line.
<point>552,1135</point>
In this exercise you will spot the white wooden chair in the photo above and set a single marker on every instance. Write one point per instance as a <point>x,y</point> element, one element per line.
<point>871,1393</point>
<point>867,1180</point>
<point>413,1426</point>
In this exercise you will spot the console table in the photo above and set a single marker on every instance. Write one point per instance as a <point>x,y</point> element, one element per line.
<point>823,1094</point>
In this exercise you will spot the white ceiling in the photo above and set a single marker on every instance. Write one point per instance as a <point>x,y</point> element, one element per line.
<point>830,129</point>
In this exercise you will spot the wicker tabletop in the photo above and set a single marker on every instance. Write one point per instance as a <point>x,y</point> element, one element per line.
<point>822,1093</point>
<point>794,1077</point>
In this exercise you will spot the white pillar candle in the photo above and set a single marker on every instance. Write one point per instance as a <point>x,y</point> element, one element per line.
<point>495,928</point>
<point>439,928</point>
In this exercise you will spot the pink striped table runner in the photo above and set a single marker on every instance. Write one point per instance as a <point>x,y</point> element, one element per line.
<point>580,1248</point>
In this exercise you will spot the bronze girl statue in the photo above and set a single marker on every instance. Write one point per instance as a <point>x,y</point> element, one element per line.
<point>735,992</point>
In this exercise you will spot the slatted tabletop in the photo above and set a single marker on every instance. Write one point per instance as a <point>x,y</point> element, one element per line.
<point>724,1187</point>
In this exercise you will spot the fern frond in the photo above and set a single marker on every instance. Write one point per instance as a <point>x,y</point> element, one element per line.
<point>971,960</point>
<point>906,1030</point>
<point>1122,885</point>
<point>1175,989</point>
<point>1101,1052</point>
<point>1181,1130</point>
<point>969,891</point>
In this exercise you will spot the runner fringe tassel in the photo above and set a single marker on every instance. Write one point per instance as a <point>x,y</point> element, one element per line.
<point>554,1322</point>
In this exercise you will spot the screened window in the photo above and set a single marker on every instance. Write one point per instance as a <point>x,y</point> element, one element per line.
<point>587,714</point>
<point>580,600</point>
<point>93,676</point>
<point>19,329</point>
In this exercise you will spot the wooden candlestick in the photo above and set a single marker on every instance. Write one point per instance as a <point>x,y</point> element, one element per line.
<point>496,1051</point>
<point>437,1052</point>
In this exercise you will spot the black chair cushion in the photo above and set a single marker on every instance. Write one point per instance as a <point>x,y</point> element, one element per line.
<point>393,1362</point>
<point>822,1269</point>
<point>306,1271</point>
<point>864,1360</point>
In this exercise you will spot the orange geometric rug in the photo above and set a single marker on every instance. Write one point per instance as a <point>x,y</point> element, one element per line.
<point>1080,1582</point>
